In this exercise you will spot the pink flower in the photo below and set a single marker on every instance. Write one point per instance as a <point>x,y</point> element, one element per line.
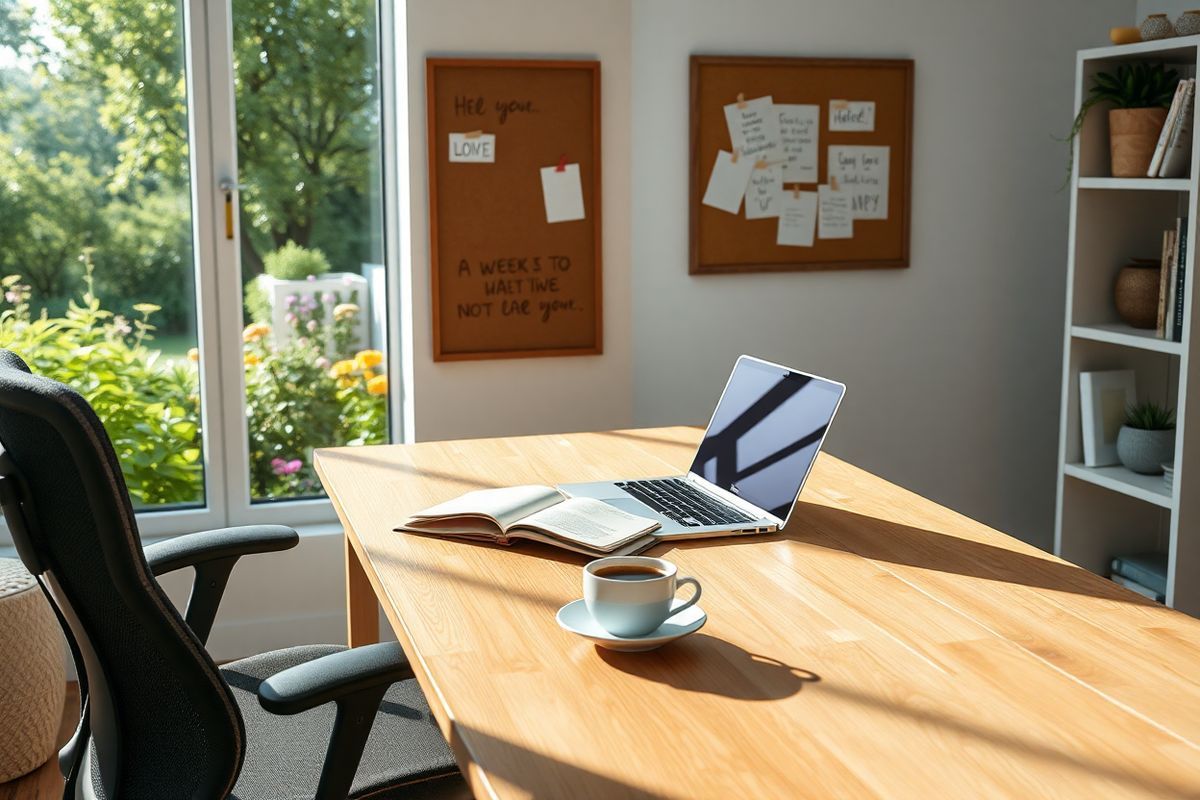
<point>312,277</point>
<point>289,317</point>
<point>312,326</point>
<point>322,363</point>
<point>12,296</point>
<point>290,300</point>
<point>328,298</point>
<point>281,467</point>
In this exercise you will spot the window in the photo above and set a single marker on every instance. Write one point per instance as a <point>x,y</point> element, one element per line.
<point>192,235</point>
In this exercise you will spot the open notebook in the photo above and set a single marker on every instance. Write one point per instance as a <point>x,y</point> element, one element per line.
<point>538,514</point>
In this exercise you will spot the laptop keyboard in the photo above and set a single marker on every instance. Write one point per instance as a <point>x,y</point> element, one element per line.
<point>684,503</point>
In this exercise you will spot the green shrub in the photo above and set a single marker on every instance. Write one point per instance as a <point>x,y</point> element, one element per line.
<point>296,399</point>
<point>295,263</point>
<point>150,409</point>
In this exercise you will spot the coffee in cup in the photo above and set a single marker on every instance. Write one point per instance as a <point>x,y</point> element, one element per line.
<point>632,595</point>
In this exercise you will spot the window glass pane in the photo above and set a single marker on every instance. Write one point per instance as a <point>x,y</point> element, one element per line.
<point>95,225</point>
<point>307,95</point>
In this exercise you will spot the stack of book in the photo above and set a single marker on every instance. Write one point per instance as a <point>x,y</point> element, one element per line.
<point>1173,154</point>
<point>1144,573</point>
<point>1171,282</point>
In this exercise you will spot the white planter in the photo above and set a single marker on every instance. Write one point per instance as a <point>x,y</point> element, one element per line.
<point>344,287</point>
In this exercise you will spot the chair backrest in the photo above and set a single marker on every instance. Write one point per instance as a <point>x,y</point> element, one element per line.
<point>163,723</point>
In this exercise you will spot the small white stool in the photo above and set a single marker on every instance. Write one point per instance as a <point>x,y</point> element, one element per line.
<point>33,679</point>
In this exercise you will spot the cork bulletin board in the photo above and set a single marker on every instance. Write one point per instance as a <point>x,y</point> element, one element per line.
<point>514,194</point>
<point>827,163</point>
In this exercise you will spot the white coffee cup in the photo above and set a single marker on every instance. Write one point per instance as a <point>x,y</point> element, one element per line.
<point>632,595</point>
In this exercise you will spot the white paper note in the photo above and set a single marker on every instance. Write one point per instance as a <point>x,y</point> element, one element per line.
<point>863,172</point>
<point>833,216</point>
<point>851,115</point>
<point>473,149</point>
<point>727,184</point>
<point>763,192</point>
<point>563,193</point>
<point>754,128</point>
<point>797,219</point>
<point>798,134</point>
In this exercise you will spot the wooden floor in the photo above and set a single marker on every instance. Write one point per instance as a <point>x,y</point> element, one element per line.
<point>45,782</point>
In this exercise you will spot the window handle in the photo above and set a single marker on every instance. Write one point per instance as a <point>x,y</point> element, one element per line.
<point>229,187</point>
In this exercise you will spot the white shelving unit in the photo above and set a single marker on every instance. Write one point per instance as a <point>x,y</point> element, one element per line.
<point>1103,512</point>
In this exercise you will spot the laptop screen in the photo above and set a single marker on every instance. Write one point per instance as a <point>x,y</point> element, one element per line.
<point>766,432</point>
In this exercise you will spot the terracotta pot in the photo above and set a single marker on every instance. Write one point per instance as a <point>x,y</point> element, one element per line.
<point>1132,137</point>
<point>1136,293</point>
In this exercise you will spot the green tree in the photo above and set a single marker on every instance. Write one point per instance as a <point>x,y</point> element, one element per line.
<point>50,209</point>
<point>306,106</point>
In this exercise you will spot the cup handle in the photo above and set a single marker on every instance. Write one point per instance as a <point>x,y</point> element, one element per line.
<point>696,596</point>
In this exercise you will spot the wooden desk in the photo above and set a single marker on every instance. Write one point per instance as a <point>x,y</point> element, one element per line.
<point>884,646</point>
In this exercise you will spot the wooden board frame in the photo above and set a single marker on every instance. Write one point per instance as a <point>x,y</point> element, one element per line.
<point>593,204</point>
<point>702,153</point>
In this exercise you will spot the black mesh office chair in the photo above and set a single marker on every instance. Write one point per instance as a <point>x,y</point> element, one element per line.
<point>159,719</point>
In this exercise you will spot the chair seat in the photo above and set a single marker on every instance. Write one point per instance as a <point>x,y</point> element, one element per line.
<point>405,756</point>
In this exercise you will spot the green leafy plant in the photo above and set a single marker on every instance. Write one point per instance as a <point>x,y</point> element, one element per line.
<point>297,399</point>
<point>1150,416</point>
<point>1136,85</point>
<point>295,263</point>
<point>150,407</point>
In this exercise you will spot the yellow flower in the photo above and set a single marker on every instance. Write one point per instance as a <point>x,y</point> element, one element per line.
<point>346,382</point>
<point>250,359</point>
<point>255,331</point>
<point>377,385</point>
<point>193,355</point>
<point>341,369</point>
<point>368,374</point>
<point>365,359</point>
<point>344,311</point>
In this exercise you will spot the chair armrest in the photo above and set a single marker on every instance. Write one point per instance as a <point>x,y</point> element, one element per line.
<point>213,554</point>
<point>356,680</point>
<point>191,549</point>
<point>333,677</point>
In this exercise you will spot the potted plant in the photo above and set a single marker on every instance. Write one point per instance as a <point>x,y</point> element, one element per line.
<point>1147,439</point>
<point>1139,94</point>
<point>298,283</point>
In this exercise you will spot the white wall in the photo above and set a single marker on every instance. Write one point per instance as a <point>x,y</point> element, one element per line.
<point>953,364</point>
<point>490,398</point>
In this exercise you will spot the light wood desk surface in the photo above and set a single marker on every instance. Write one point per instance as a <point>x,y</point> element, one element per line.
<point>883,646</point>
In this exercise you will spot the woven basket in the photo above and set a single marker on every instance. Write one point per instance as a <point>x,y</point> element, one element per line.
<point>33,679</point>
<point>1132,137</point>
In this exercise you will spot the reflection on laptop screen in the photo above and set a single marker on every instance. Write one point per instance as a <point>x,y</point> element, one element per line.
<point>765,434</point>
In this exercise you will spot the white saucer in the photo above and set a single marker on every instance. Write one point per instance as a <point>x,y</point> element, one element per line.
<point>575,618</point>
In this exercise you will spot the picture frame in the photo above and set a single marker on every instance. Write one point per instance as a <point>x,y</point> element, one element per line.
<point>1103,399</point>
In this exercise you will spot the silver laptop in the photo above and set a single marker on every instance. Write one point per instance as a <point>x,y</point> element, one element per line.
<point>751,465</point>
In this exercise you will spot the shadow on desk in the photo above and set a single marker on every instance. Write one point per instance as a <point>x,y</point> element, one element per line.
<point>701,663</point>
<point>893,543</point>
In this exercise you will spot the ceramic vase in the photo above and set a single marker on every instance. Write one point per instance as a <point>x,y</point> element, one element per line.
<point>1135,293</point>
<point>1156,26</point>
<point>1188,23</point>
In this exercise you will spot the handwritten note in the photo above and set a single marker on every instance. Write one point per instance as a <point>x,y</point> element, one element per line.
<point>798,132</point>
<point>833,216</point>
<point>727,184</point>
<point>754,128</point>
<point>797,219</point>
<point>468,149</point>
<point>851,115</point>
<point>863,172</point>
<point>536,287</point>
<point>563,193</point>
<point>763,193</point>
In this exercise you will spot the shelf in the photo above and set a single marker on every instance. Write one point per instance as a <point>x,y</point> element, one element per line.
<point>1139,184</point>
<point>1174,49</point>
<point>1119,333</point>
<point>1149,488</point>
